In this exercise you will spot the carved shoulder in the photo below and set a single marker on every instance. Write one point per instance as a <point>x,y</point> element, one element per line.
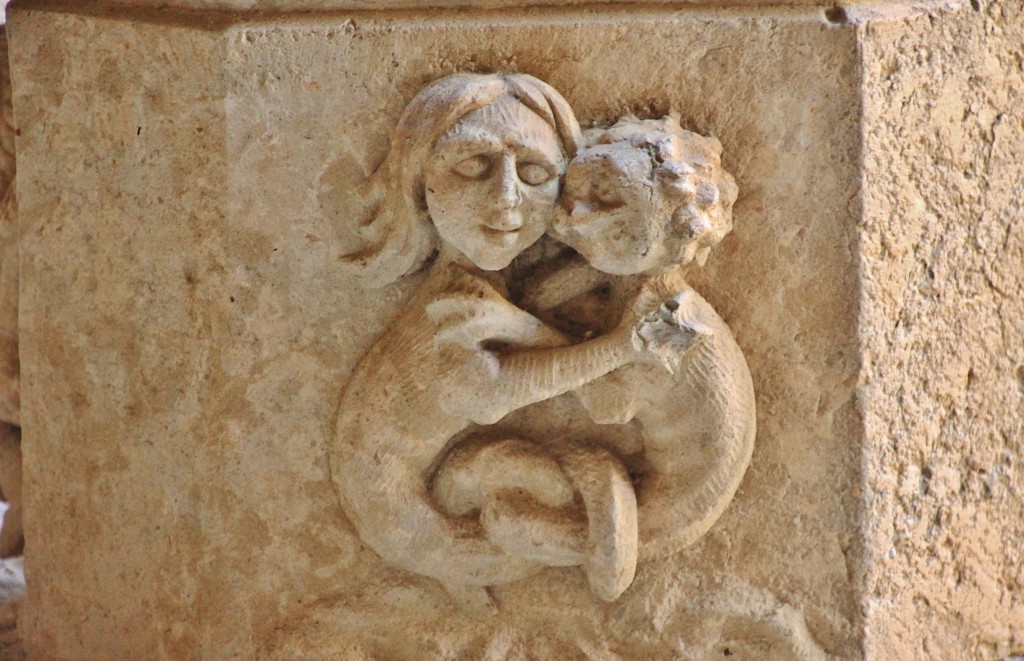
<point>470,312</point>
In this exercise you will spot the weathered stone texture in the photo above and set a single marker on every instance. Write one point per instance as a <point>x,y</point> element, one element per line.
<point>942,322</point>
<point>116,235</point>
<point>9,403</point>
<point>349,5</point>
<point>187,332</point>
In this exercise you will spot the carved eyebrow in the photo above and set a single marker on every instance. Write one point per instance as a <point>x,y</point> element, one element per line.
<point>534,143</point>
<point>468,137</point>
<point>466,144</point>
<point>539,156</point>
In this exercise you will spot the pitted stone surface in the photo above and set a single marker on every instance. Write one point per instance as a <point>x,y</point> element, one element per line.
<point>171,214</point>
<point>186,328</point>
<point>942,387</point>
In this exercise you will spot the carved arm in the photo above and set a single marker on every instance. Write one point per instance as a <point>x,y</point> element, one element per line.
<point>666,335</point>
<point>527,377</point>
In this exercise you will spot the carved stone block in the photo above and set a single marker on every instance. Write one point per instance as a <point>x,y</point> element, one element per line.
<point>341,338</point>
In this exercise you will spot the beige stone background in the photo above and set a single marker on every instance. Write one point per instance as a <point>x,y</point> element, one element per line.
<point>942,331</point>
<point>185,331</point>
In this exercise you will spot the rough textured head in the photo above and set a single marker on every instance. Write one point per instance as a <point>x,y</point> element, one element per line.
<point>644,196</point>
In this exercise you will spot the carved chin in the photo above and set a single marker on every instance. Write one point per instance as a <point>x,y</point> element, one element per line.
<point>612,265</point>
<point>492,260</point>
<point>594,258</point>
<point>492,264</point>
<point>603,259</point>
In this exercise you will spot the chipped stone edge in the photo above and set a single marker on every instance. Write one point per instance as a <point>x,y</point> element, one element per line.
<point>870,12</point>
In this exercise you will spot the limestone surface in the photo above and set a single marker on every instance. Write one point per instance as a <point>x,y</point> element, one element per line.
<point>942,327</point>
<point>186,330</point>
<point>11,536</point>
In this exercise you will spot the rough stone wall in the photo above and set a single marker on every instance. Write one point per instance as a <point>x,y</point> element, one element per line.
<point>11,538</point>
<point>942,252</point>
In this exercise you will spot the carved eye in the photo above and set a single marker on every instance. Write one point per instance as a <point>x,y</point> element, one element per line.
<point>606,195</point>
<point>473,167</point>
<point>534,174</point>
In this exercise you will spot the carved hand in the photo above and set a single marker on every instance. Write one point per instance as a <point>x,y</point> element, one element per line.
<point>666,333</point>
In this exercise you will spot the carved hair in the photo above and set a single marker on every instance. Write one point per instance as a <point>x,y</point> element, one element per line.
<point>395,222</point>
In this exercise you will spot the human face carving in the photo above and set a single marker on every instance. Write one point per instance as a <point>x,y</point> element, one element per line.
<point>493,181</point>
<point>627,214</point>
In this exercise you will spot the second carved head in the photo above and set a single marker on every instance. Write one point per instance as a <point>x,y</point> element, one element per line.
<point>644,196</point>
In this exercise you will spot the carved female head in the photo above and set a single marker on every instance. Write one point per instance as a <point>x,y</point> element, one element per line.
<point>476,160</point>
<point>644,196</point>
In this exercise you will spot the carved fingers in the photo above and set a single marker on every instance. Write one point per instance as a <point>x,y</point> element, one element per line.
<point>670,331</point>
<point>472,321</point>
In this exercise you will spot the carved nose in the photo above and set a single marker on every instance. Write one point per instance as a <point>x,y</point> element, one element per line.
<point>580,218</point>
<point>509,195</point>
<point>691,222</point>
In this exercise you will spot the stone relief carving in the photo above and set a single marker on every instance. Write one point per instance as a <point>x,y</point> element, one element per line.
<point>554,267</point>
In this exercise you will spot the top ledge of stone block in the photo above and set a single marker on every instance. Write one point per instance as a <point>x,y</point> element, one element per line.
<point>838,12</point>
